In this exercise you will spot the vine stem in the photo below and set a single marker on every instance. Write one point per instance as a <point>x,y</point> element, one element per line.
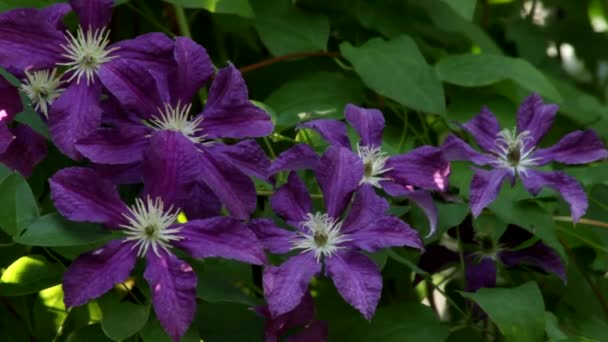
<point>583,221</point>
<point>182,22</point>
<point>291,56</point>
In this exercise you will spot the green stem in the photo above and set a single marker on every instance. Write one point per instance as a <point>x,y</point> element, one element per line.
<point>182,22</point>
<point>270,193</point>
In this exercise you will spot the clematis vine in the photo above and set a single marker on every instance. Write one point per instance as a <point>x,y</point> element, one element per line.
<point>515,152</point>
<point>334,238</point>
<point>151,231</point>
<point>411,175</point>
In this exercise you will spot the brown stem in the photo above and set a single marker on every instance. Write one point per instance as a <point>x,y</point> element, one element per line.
<point>278,59</point>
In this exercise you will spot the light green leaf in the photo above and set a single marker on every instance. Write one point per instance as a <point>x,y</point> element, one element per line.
<point>286,29</point>
<point>29,274</point>
<point>19,207</point>
<point>396,69</point>
<point>237,7</point>
<point>518,312</point>
<point>466,8</point>
<point>552,327</point>
<point>53,230</point>
<point>122,319</point>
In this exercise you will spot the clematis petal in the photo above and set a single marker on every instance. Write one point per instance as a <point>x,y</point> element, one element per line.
<point>538,255</point>
<point>387,231</point>
<point>75,115</point>
<point>316,331</point>
<point>570,189</point>
<point>223,237</point>
<point>273,238</point>
<point>122,145</point>
<point>285,285</point>
<point>455,148</point>
<point>27,149</point>
<point>421,198</point>
<point>29,40</point>
<point>485,186</point>
<point>484,128</point>
<point>151,51</point>
<point>367,207</point>
<point>424,167</point>
<point>248,156</point>
<point>369,123</point>
<point>10,101</point>
<point>536,117</point>
<point>479,273</point>
<point>55,13</point>
<point>6,138</point>
<point>81,195</point>
<point>228,112</point>
<point>357,279</point>
<point>338,175</point>
<point>234,189</point>
<point>276,327</point>
<point>173,288</point>
<point>333,131</point>
<point>119,174</point>
<point>578,147</point>
<point>93,14</point>
<point>198,201</point>
<point>106,266</point>
<point>300,156</point>
<point>292,201</point>
<point>194,69</point>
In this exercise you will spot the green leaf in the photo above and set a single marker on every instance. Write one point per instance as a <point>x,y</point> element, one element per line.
<point>476,70</point>
<point>48,313</point>
<point>89,333</point>
<point>552,327</point>
<point>518,312</point>
<point>153,332</point>
<point>286,29</point>
<point>396,69</point>
<point>29,274</point>
<point>318,95</point>
<point>237,7</point>
<point>19,207</point>
<point>122,319</point>
<point>53,230</point>
<point>465,335</point>
<point>217,322</point>
<point>6,5</point>
<point>223,281</point>
<point>466,8</point>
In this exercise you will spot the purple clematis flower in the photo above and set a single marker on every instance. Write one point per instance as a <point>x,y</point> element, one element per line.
<point>151,232</point>
<point>411,174</point>
<point>21,148</point>
<point>157,135</point>
<point>515,152</point>
<point>303,317</point>
<point>327,238</point>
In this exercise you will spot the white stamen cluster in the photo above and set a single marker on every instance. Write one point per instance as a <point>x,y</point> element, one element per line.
<point>42,88</point>
<point>323,237</point>
<point>177,119</point>
<point>374,161</point>
<point>86,52</point>
<point>512,151</point>
<point>149,224</point>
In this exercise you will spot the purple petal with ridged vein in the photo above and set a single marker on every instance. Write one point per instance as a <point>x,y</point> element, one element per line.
<point>570,189</point>
<point>10,101</point>
<point>479,273</point>
<point>579,147</point>
<point>198,201</point>
<point>357,279</point>
<point>273,238</point>
<point>276,327</point>
<point>97,272</point>
<point>485,186</point>
<point>234,189</point>
<point>369,123</point>
<point>285,285</point>
<point>538,255</point>
<point>536,117</point>
<point>424,167</point>
<point>81,195</point>
<point>223,237</point>
<point>316,331</point>
<point>6,138</point>
<point>292,201</point>
<point>334,131</point>
<point>122,145</point>
<point>27,149</point>
<point>387,231</point>
<point>55,13</point>
<point>248,156</point>
<point>338,175</point>
<point>151,51</point>
<point>455,148</point>
<point>173,288</point>
<point>119,174</point>
<point>421,198</point>
<point>29,40</point>
<point>300,156</point>
<point>484,128</point>
<point>366,208</point>
<point>94,14</point>
<point>75,115</point>
<point>228,112</point>
<point>194,69</point>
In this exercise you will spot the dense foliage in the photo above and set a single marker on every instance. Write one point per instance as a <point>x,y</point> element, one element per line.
<point>303,170</point>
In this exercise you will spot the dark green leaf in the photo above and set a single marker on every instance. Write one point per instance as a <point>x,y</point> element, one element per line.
<point>224,281</point>
<point>19,207</point>
<point>122,319</point>
<point>228,322</point>
<point>53,230</point>
<point>238,7</point>
<point>29,274</point>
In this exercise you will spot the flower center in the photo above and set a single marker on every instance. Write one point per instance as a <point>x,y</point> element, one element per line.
<point>42,88</point>
<point>149,224</point>
<point>512,151</point>
<point>322,235</point>
<point>86,52</point>
<point>374,161</point>
<point>177,119</point>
